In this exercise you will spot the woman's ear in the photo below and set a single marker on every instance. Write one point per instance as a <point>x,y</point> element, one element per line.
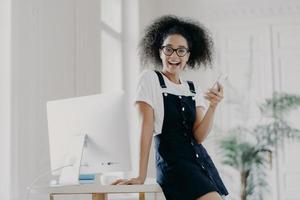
<point>188,56</point>
<point>160,54</point>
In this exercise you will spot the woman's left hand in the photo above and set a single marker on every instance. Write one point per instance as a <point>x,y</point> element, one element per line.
<point>214,95</point>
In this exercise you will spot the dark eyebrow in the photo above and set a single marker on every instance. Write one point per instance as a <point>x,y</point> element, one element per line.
<point>180,46</point>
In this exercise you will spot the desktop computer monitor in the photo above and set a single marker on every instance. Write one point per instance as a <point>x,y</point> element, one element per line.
<point>88,135</point>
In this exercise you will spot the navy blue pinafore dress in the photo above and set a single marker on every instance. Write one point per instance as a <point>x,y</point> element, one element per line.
<point>184,169</point>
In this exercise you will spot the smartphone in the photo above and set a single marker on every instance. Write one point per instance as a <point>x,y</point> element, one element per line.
<point>221,80</point>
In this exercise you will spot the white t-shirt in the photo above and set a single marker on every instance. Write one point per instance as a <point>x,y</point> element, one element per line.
<point>149,90</point>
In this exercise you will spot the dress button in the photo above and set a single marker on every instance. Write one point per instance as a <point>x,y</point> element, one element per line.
<point>202,167</point>
<point>179,97</point>
<point>185,134</point>
<point>192,143</point>
<point>165,94</point>
<point>183,122</point>
<point>197,155</point>
<point>182,109</point>
<point>193,98</point>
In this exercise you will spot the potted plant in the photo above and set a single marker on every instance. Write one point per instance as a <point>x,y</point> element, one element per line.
<point>250,150</point>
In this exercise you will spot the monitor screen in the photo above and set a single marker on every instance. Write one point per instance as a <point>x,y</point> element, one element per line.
<point>103,118</point>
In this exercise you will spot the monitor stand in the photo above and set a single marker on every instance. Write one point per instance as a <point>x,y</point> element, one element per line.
<point>70,173</point>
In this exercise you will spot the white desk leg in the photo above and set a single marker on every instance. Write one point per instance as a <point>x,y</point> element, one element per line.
<point>155,195</point>
<point>99,196</point>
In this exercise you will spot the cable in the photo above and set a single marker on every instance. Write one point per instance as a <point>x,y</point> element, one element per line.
<point>28,192</point>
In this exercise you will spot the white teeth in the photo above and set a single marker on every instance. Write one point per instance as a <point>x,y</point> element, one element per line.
<point>174,63</point>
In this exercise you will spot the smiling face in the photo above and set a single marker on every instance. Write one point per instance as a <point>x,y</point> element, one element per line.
<point>174,63</point>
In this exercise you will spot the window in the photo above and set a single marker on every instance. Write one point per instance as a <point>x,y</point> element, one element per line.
<point>111,45</point>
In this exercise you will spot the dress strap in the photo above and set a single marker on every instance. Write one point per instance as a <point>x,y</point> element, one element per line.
<point>161,79</point>
<point>191,86</point>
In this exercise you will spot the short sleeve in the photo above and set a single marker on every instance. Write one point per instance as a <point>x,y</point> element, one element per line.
<point>200,100</point>
<point>144,89</point>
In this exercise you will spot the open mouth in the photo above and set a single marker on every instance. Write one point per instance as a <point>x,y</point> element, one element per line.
<point>174,64</point>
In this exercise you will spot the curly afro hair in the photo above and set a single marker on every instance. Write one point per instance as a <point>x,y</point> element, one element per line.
<point>198,38</point>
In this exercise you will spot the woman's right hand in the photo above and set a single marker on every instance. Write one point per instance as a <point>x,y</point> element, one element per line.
<point>146,113</point>
<point>132,181</point>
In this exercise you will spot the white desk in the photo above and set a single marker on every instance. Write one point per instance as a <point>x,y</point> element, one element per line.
<point>99,192</point>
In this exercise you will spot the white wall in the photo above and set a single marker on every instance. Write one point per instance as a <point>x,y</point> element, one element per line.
<point>5,97</point>
<point>286,69</point>
<point>131,71</point>
<point>55,55</point>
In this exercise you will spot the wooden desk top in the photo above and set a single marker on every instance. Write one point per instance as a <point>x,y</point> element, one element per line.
<point>97,188</point>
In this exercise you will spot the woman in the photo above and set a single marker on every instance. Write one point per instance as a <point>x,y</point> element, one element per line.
<point>175,111</point>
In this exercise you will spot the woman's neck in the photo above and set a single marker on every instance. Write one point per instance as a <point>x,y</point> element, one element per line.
<point>172,77</point>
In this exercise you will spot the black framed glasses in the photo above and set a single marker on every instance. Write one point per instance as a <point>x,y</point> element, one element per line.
<point>168,51</point>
